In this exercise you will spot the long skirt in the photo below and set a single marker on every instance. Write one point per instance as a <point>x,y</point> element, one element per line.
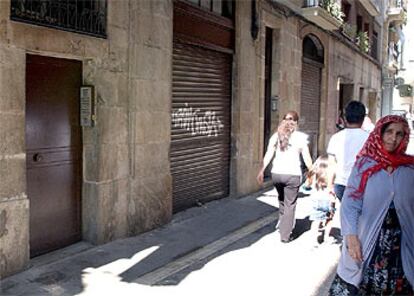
<point>384,274</point>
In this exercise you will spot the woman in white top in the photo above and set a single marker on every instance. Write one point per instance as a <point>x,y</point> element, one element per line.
<point>285,147</point>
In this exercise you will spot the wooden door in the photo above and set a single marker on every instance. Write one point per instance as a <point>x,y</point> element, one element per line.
<point>53,152</point>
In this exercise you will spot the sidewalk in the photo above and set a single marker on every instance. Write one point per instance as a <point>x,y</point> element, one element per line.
<point>226,244</point>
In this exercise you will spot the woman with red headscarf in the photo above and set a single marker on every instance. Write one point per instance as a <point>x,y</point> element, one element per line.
<point>377,216</point>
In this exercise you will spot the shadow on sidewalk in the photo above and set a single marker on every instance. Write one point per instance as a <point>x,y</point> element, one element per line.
<point>126,260</point>
<point>245,242</point>
<point>192,230</point>
<point>302,225</point>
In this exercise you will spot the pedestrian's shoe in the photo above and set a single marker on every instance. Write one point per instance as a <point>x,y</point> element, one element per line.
<point>285,241</point>
<point>330,241</point>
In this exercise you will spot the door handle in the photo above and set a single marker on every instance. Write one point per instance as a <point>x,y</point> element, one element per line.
<point>37,157</point>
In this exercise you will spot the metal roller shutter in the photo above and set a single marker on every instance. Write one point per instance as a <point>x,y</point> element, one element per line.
<point>200,135</point>
<point>310,102</point>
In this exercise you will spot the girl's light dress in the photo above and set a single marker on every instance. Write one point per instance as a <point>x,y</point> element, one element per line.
<point>320,201</point>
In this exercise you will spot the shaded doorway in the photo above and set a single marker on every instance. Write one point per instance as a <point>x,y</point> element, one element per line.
<point>53,152</point>
<point>346,93</point>
<point>268,93</point>
<point>372,106</point>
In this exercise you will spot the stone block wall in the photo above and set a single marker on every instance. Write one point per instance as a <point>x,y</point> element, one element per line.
<point>14,205</point>
<point>288,32</point>
<point>353,67</point>
<point>106,145</point>
<point>126,175</point>
<point>290,46</point>
<point>127,185</point>
<point>247,88</point>
<point>249,82</point>
<point>150,92</point>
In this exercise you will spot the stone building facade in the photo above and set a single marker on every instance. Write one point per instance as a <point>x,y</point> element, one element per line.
<point>134,166</point>
<point>346,71</point>
<point>397,87</point>
<point>125,177</point>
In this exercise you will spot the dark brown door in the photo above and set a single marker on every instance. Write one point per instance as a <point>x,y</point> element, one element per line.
<point>53,147</point>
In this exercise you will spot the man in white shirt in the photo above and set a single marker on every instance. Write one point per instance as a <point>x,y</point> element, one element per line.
<point>344,146</point>
<point>367,125</point>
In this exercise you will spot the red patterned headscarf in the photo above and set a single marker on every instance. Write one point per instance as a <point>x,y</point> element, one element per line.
<point>374,149</point>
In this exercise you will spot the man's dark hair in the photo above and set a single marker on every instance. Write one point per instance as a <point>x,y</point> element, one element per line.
<point>355,112</point>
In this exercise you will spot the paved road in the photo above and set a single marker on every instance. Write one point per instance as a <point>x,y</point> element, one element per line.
<point>257,264</point>
<point>227,246</point>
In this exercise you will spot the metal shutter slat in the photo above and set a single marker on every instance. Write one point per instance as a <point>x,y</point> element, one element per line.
<point>200,133</point>
<point>310,103</point>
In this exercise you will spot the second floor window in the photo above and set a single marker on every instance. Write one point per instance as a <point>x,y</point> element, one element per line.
<point>223,7</point>
<point>374,45</point>
<point>81,16</point>
<point>346,9</point>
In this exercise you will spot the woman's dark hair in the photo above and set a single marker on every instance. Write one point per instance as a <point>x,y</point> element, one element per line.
<point>293,114</point>
<point>384,127</point>
<point>286,128</point>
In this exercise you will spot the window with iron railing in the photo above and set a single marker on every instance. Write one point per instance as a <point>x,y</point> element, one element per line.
<point>396,3</point>
<point>359,23</point>
<point>374,45</point>
<point>81,16</point>
<point>310,3</point>
<point>346,9</point>
<point>333,7</point>
<point>321,3</point>
<point>223,7</point>
<point>393,53</point>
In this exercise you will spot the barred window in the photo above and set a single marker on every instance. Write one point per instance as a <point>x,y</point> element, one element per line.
<point>81,16</point>
<point>223,7</point>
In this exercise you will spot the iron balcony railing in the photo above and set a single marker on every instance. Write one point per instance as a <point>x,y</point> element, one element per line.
<point>81,16</point>
<point>331,6</point>
<point>396,3</point>
<point>311,3</point>
<point>374,47</point>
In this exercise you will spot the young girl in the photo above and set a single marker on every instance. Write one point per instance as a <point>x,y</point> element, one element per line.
<point>323,201</point>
